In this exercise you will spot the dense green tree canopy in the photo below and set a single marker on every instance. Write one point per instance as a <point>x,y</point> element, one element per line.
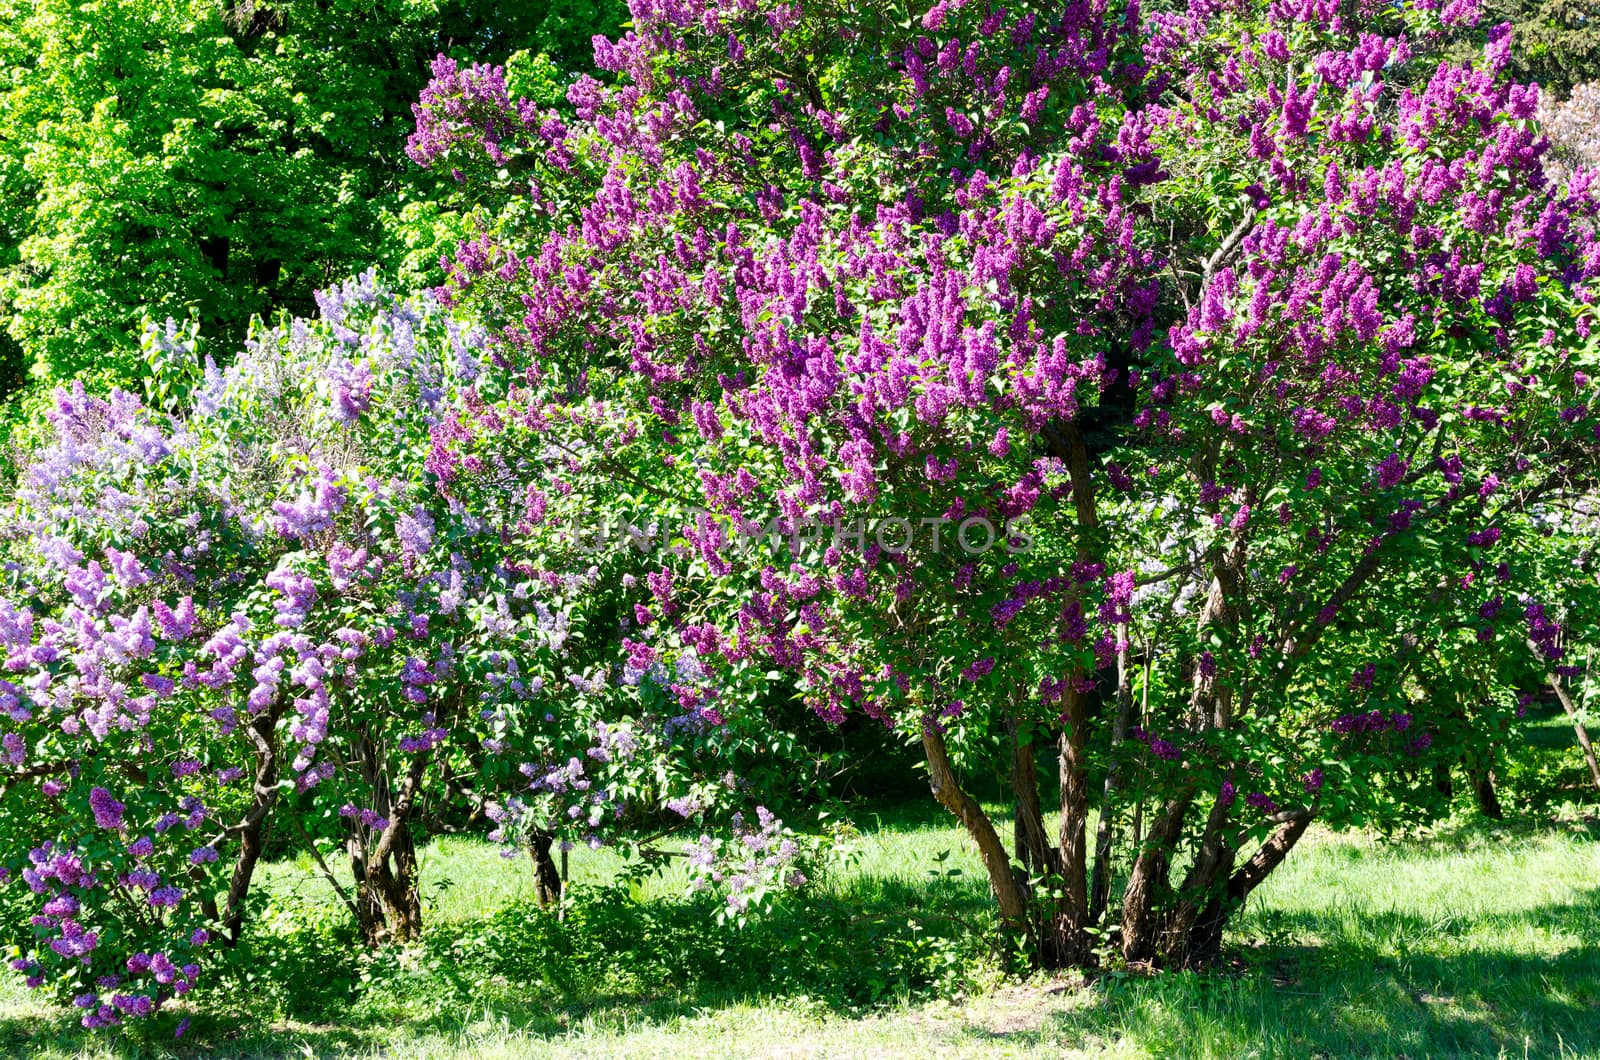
<point>187,157</point>
<point>1556,42</point>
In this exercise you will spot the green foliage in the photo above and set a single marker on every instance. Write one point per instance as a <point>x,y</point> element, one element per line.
<point>222,160</point>
<point>652,938</point>
<point>1544,771</point>
<point>301,957</point>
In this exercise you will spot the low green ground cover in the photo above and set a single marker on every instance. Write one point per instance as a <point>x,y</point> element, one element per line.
<point>1475,940</point>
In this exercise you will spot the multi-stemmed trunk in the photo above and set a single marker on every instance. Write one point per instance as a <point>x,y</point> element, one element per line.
<point>1158,920</point>
<point>388,904</point>
<point>383,860</point>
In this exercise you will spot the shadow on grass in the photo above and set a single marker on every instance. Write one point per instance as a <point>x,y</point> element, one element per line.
<point>1382,985</point>
<point>1466,833</point>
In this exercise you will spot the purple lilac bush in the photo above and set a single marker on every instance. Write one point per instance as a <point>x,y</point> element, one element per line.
<point>1249,345</point>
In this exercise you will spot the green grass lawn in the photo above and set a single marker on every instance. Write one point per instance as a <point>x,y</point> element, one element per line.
<point>1482,941</point>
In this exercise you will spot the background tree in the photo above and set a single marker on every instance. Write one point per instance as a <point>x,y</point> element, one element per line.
<point>1573,125</point>
<point>1555,43</point>
<point>185,157</point>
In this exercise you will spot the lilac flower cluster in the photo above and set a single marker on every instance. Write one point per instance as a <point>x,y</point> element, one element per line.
<point>1374,721</point>
<point>1162,749</point>
<point>757,858</point>
<point>467,106</point>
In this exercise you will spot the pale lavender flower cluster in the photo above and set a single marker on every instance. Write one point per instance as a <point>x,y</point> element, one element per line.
<point>614,743</point>
<point>761,857</point>
<point>219,564</point>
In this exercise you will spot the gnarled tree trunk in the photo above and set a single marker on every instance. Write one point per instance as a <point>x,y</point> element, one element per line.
<point>1204,940</point>
<point>1068,941</point>
<point>388,904</point>
<point>1007,889</point>
<point>262,732</point>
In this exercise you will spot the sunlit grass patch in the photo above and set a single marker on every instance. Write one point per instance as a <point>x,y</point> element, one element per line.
<point>1476,941</point>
